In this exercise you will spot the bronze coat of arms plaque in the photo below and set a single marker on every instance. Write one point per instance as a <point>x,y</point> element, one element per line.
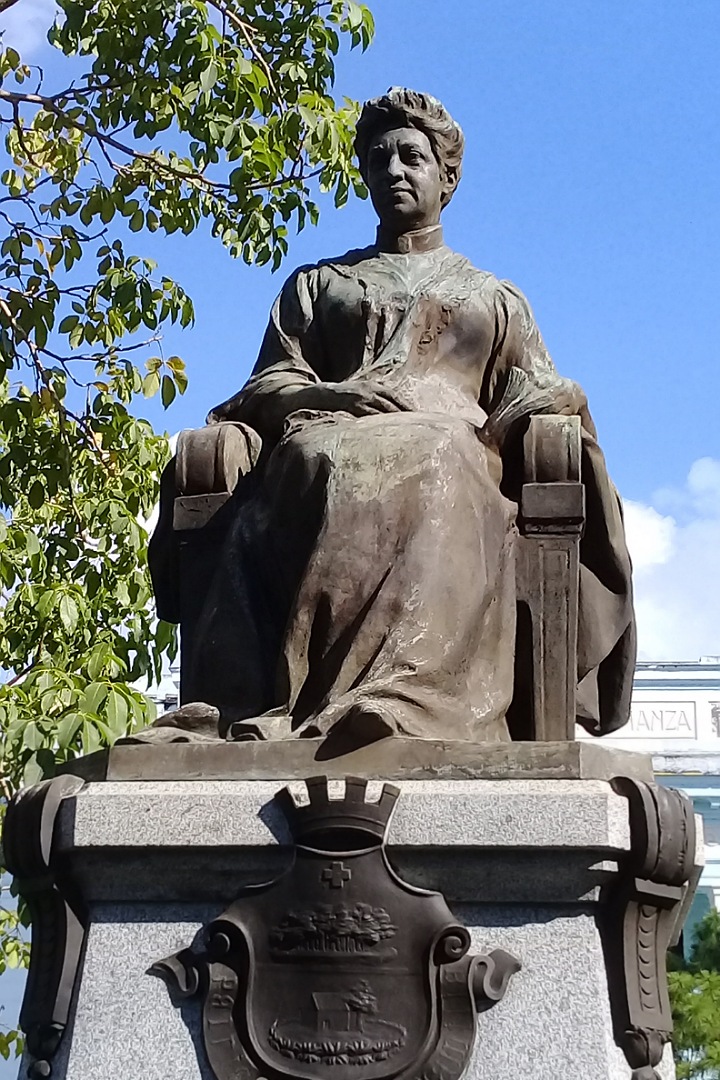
<point>338,968</point>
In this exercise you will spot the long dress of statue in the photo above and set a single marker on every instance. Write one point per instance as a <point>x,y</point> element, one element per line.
<point>367,584</point>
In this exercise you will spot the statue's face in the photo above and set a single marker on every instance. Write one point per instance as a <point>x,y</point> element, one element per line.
<point>404,179</point>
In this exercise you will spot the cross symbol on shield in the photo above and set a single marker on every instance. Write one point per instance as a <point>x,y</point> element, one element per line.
<point>336,875</point>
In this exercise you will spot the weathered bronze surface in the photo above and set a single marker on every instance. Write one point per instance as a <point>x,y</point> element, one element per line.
<point>338,968</point>
<point>395,758</point>
<point>341,544</point>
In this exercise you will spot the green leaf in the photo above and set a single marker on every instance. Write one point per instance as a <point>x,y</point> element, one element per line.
<point>36,495</point>
<point>151,384</point>
<point>167,391</point>
<point>68,323</point>
<point>12,58</point>
<point>76,335</point>
<point>32,736</point>
<point>181,381</point>
<point>32,544</point>
<point>695,1001</point>
<point>93,697</point>
<point>68,611</point>
<point>209,76</point>
<point>117,712</point>
<point>67,729</point>
<point>91,737</point>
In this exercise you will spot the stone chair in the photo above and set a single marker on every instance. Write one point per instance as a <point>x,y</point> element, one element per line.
<point>211,461</point>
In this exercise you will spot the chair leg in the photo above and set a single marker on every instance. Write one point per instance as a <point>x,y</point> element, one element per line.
<point>548,568</point>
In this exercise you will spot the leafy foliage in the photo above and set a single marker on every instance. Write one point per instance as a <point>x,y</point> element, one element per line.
<point>695,999</point>
<point>184,110</point>
<point>705,951</point>
<point>174,112</point>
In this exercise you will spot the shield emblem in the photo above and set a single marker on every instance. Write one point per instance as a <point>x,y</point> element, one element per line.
<point>338,968</point>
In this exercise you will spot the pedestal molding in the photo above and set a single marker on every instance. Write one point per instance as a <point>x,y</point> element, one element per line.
<point>57,913</point>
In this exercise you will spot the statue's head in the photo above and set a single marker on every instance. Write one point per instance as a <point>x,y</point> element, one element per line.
<point>410,153</point>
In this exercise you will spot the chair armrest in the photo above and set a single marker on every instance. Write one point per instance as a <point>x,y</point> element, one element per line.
<point>213,458</point>
<point>553,499</point>
<point>209,463</point>
<point>551,449</point>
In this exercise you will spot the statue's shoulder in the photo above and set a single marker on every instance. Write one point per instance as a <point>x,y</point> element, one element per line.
<point>350,258</point>
<point>310,279</point>
<point>514,299</point>
<point>506,292</point>
<point>461,264</point>
<point>346,261</point>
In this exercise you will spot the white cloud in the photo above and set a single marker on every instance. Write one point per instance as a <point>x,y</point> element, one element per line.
<point>675,546</point>
<point>651,537</point>
<point>25,26</point>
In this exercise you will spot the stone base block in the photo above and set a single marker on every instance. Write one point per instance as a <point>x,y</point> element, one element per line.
<point>526,865</point>
<point>394,758</point>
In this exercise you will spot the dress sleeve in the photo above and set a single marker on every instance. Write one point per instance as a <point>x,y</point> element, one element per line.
<point>521,342</point>
<point>521,378</point>
<point>289,357</point>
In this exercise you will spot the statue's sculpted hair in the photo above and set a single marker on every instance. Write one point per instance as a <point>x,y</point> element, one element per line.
<point>409,108</point>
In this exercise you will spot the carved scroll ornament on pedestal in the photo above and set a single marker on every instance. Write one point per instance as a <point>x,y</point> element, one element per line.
<point>639,918</point>
<point>57,914</point>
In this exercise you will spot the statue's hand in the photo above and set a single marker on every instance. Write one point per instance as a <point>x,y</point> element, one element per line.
<point>357,398</point>
<point>569,399</point>
<point>525,396</point>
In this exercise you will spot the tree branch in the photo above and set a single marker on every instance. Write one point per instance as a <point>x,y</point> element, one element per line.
<point>159,167</point>
<point>246,32</point>
<point>60,406</point>
<point>104,140</point>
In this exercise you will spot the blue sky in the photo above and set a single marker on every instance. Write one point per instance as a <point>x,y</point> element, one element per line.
<point>591,180</point>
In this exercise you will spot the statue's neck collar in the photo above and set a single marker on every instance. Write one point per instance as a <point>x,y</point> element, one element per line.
<point>416,240</point>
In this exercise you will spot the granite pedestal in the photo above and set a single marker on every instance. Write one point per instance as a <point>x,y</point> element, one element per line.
<point>523,862</point>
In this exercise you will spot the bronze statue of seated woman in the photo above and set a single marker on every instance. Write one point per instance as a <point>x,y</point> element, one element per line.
<point>365,584</point>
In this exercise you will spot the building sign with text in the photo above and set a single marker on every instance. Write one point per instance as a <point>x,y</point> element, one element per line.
<point>684,718</point>
<point>661,720</point>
